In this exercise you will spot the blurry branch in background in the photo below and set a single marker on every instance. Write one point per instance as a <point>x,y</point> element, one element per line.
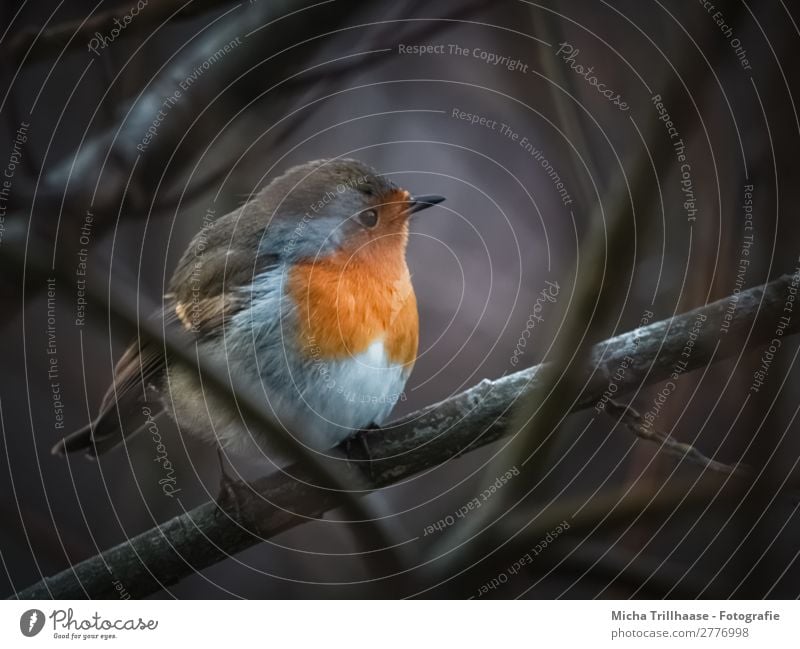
<point>418,442</point>
<point>606,263</point>
<point>129,20</point>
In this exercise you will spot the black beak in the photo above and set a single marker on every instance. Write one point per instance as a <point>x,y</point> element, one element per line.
<point>419,203</point>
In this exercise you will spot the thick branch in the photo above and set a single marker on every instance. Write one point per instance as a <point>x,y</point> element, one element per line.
<point>420,441</point>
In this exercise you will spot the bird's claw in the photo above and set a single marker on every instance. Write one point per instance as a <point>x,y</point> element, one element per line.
<point>233,494</point>
<point>360,437</point>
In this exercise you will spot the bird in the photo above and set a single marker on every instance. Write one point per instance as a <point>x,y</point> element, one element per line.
<point>304,289</point>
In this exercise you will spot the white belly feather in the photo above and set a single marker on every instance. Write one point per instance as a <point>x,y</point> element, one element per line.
<point>357,391</point>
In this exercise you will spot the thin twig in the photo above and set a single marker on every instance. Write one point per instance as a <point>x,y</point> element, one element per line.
<point>634,422</point>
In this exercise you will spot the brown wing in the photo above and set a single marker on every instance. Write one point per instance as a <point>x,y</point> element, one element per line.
<point>207,288</point>
<point>141,366</point>
<point>210,282</point>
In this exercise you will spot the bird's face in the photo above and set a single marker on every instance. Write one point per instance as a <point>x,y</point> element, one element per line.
<point>379,222</point>
<point>343,208</point>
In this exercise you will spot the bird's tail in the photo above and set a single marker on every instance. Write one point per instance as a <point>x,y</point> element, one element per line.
<point>80,440</point>
<point>99,436</point>
<point>140,365</point>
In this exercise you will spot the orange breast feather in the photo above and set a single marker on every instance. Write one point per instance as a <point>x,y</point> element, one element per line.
<point>348,302</point>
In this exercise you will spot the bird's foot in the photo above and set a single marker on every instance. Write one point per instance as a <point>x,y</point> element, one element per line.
<point>358,444</point>
<point>233,494</point>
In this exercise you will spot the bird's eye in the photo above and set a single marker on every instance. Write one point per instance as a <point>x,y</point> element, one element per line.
<point>368,218</point>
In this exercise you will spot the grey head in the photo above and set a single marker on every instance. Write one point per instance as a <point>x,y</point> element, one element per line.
<point>314,208</point>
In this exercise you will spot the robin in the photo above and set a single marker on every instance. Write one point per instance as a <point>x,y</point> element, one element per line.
<point>305,289</point>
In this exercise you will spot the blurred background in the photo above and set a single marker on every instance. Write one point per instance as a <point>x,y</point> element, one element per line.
<point>303,81</point>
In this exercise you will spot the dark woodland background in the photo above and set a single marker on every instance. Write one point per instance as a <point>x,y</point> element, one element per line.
<point>478,264</point>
